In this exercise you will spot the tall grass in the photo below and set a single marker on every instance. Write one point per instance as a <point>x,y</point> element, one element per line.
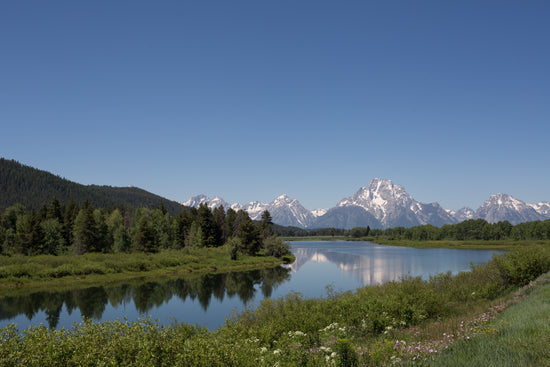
<point>521,337</point>
<point>48,268</point>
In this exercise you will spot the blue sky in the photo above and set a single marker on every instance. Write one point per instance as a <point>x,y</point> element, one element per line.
<point>251,99</point>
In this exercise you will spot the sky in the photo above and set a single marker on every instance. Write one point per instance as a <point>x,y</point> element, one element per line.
<point>252,99</point>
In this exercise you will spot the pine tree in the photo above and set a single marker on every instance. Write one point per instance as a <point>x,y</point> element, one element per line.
<point>266,224</point>
<point>84,230</point>
<point>143,240</point>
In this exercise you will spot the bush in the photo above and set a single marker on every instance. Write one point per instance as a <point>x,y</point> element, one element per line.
<point>274,246</point>
<point>520,266</point>
<point>234,248</point>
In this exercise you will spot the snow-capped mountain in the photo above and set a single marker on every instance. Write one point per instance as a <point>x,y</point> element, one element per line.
<point>543,208</point>
<point>392,206</point>
<point>284,210</point>
<point>383,204</point>
<point>289,212</point>
<point>501,207</point>
<point>463,214</point>
<point>215,202</point>
<point>319,212</point>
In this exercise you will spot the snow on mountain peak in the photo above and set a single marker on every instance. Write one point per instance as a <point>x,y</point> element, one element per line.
<point>383,204</point>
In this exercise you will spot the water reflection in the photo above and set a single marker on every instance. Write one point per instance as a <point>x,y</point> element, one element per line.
<point>370,264</point>
<point>144,295</point>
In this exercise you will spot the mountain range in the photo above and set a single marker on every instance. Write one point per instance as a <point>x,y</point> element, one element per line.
<point>383,204</point>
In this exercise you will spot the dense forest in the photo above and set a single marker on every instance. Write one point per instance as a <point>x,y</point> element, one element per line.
<point>31,187</point>
<point>473,229</point>
<point>59,229</point>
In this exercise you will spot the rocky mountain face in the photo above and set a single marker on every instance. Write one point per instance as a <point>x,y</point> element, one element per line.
<point>383,204</point>
<point>502,207</point>
<point>391,206</point>
<point>284,210</point>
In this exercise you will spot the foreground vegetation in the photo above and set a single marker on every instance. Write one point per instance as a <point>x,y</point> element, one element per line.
<point>407,322</point>
<point>521,337</point>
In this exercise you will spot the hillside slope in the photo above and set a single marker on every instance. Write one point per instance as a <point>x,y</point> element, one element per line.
<point>32,188</point>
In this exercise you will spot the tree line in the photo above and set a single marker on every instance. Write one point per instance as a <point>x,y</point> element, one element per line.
<point>472,229</point>
<point>57,229</point>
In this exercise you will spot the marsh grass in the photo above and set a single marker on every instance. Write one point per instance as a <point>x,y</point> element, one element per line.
<point>49,269</point>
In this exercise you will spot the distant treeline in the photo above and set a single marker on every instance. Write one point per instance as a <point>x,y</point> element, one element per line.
<point>60,229</point>
<point>31,187</point>
<point>473,229</point>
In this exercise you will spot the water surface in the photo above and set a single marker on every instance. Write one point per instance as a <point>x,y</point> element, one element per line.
<point>209,298</point>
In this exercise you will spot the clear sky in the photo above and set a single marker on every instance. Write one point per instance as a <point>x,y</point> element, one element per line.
<point>252,99</point>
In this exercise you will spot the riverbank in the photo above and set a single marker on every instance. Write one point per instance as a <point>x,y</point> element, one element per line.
<point>505,245</point>
<point>48,270</point>
<point>411,322</point>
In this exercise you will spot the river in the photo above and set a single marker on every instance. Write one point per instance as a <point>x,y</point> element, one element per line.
<point>207,299</point>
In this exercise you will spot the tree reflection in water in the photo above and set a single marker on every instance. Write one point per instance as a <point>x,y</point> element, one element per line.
<point>145,294</point>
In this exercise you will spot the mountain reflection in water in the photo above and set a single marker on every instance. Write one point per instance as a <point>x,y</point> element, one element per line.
<point>144,294</point>
<point>370,264</point>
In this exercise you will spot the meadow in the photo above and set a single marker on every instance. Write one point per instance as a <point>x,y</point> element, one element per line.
<point>439,321</point>
<point>19,270</point>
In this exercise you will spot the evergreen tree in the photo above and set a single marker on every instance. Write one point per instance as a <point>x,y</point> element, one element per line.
<point>54,242</point>
<point>71,211</point>
<point>248,233</point>
<point>143,240</point>
<point>219,222</point>
<point>55,210</point>
<point>84,230</point>
<point>266,225</point>
<point>103,242</point>
<point>195,238</point>
<point>29,237</point>
<point>230,223</point>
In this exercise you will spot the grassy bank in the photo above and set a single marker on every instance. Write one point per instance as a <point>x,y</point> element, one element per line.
<point>452,244</point>
<point>93,267</point>
<point>411,322</point>
<point>520,337</point>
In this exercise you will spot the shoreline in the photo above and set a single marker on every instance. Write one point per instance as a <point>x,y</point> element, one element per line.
<point>504,245</point>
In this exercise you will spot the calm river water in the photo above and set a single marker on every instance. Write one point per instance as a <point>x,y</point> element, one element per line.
<point>209,299</point>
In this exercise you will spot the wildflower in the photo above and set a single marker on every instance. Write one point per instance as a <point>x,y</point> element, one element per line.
<point>263,350</point>
<point>277,351</point>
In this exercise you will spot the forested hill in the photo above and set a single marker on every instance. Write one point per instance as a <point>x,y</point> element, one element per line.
<point>32,188</point>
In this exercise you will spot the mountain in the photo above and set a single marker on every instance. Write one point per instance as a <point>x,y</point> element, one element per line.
<point>346,217</point>
<point>383,204</point>
<point>387,205</point>
<point>463,214</point>
<point>33,188</point>
<point>501,207</point>
<point>284,210</point>
<point>289,212</point>
<point>215,202</point>
<point>543,208</point>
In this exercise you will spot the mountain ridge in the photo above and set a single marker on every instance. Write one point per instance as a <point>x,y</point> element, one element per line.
<point>383,204</point>
<point>32,187</point>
